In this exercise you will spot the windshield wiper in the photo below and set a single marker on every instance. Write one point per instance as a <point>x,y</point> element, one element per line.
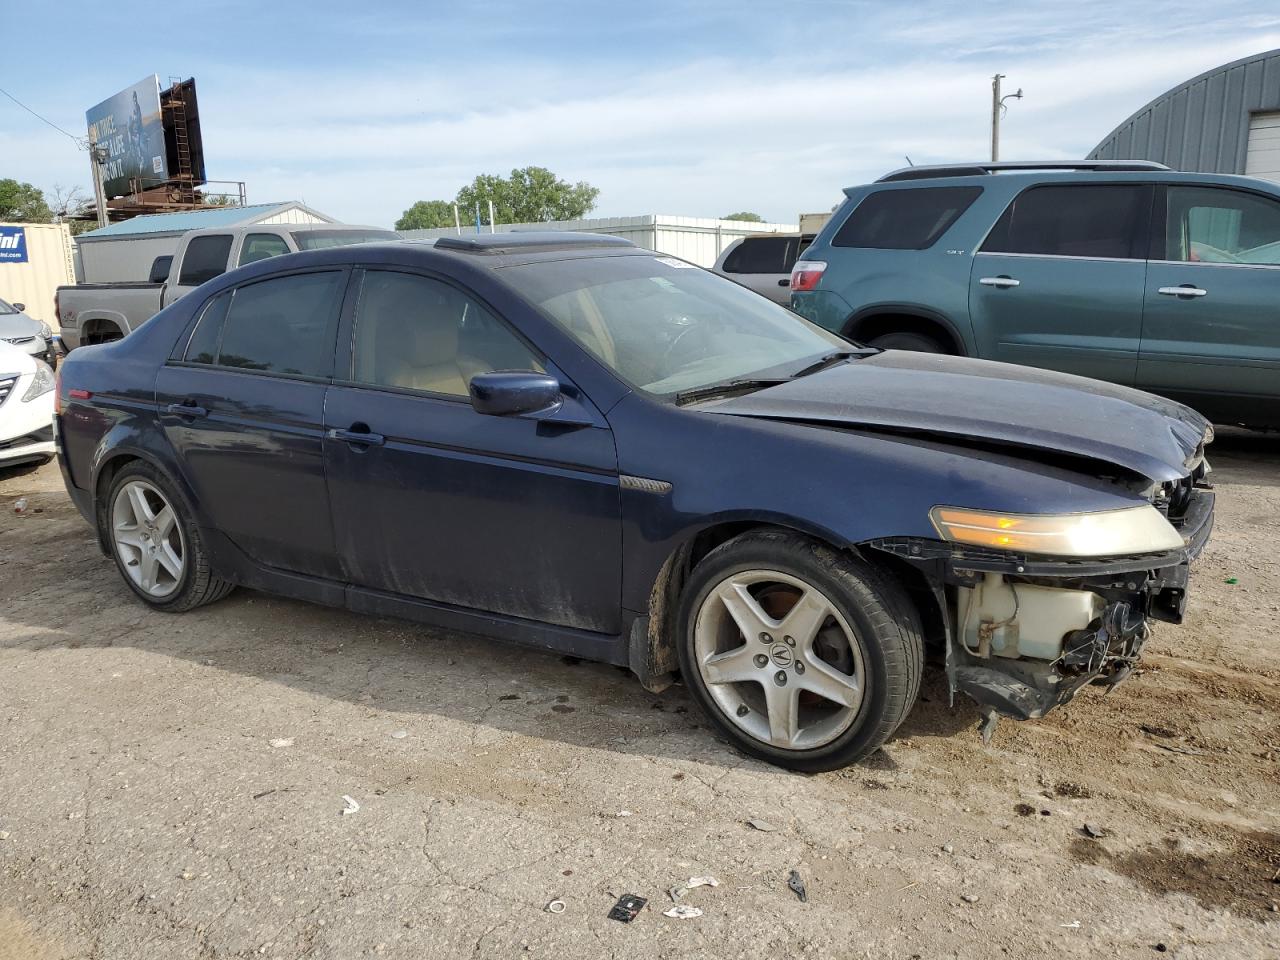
<point>728,388</point>
<point>830,360</point>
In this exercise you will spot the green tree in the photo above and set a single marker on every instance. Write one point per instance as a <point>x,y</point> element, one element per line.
<point>23,203</point>
<point>746,215</point>
<point>530,195</point>
<point>426,215</point>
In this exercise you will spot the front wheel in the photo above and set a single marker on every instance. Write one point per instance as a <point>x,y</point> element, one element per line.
<point>800,654</point>
<point>156,543</point>
<point>918,342</point>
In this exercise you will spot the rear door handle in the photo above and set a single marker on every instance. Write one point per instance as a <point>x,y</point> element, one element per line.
<point>786,282</point>
<point>358,436</point>
<point>999,282</point>
<point>1186,290</point>
<point>186,410</point>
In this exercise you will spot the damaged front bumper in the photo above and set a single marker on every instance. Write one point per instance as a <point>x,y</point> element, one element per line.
<point>1024,633</point>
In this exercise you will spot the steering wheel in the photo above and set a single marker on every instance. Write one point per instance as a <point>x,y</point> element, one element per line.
<point>689,328</point>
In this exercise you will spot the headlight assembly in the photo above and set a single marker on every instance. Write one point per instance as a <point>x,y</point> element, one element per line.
<point>45,331</point>
<point>42,383</point>
<point>1140,529</point>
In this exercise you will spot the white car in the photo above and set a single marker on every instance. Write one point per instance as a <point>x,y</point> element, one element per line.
<point>26,407</point>
<point>763,262</point>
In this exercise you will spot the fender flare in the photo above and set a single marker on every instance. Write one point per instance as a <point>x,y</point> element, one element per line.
<point>909,310</point>
<point>125,441</point>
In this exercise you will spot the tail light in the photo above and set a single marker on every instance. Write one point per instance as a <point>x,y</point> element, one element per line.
<point>806,274</point>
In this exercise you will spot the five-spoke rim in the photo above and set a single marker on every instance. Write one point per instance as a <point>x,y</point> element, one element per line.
<point>148,538</point>
<point>779,659</point>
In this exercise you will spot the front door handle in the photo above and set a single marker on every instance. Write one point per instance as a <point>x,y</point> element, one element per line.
<point>186,410</point>
<point>1186,290</point>
<point>363,437</point>
<point>999,282</point>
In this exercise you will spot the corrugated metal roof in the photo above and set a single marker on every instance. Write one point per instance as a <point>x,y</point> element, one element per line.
<point>190,220</point>
<point>1201,125</point>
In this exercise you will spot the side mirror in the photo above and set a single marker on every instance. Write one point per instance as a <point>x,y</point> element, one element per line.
<point>506,393</point>
<point>19,307</point>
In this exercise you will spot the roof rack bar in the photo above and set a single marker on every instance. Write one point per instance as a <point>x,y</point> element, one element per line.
<point>980,169</point>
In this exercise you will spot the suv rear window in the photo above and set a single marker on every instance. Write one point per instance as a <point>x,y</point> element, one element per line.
<point>762,255</point>
<point>206,258</point>
<point>904,219</point>
<point>1103,220</point>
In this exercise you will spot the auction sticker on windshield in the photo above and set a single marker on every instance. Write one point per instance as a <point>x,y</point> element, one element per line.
<point>678,264</point>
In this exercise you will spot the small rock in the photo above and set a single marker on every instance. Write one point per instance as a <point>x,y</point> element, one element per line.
<point>4,834</point>
<point>969,897</point>
<point>764,826</point>
<point>278,743</point>
<point>948,848</point>
<point>1093,830</point>
<point>399,734</point>
<point>623,813</point>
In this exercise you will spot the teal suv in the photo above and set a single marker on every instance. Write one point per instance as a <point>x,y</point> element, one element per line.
<point>1125,271</point>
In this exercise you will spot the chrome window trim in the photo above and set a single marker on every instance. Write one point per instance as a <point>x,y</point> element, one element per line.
<point>1060,256</point>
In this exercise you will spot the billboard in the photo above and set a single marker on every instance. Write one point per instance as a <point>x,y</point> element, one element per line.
<point>13,245</point>
<point>129,126</point>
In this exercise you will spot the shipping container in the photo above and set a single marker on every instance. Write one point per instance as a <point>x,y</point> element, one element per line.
<point>696,239</point>
<point>35,259</point>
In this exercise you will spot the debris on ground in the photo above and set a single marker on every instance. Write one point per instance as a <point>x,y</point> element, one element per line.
<point>279,742</point>
<point>1073,925</point>
<point>264,793</point>
<point>797,886</point>
<point>555,906</point>
<point>948,848</point>
<point>20,505</point>
<point>682,911</point>
<point>351,806</point>
<point>676,893</point>
<point>623,813</point>
<point>1093,830</point>
<point>627,908</point>
<point>969,897</point>
<point>764,826</point>
<point>702,882</point>
<point>4,834</point>
<point>399,734</point>
<point>1024,809</point>
<point>1231,580</point>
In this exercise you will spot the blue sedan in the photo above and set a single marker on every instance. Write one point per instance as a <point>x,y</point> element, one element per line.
<point>567,441</point>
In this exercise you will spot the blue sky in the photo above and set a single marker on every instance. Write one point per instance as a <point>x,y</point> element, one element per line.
<point>695,109</point>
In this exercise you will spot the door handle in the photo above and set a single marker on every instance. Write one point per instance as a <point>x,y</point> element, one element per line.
<point>363,437</point>
<point>186,410</point>
<point>1186,290</point>
<point>785,282</point>
<point>999,282</point>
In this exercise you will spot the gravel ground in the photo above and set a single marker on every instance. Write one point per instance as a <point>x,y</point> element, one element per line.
<point>173,786</point>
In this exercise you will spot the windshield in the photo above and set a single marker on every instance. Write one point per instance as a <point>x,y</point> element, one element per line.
<point>323,239</point>
<point>6,308</point>
<point>665,326</point>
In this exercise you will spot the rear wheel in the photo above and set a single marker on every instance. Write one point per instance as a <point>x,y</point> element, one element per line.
<point>919,342</point>
<point>801,655</point>
<point>155,542</point>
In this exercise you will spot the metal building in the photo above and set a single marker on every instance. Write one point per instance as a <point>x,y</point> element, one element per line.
<point>124,250</point>
<point>1226,120</point>
<point>696,239</point>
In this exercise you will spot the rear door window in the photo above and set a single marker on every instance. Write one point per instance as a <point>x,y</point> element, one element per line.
<point>1106,221</point>
<point>283,325</point>
<point>261,246</point>
<point>1214,225</point>
<point>206,258</point>
<point>762,255</point>
<point>904,219</point>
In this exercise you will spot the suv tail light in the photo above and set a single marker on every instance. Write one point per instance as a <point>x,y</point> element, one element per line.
<point>806,274</point>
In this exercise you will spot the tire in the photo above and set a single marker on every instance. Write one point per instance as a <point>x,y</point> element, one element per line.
<point>195,583</point>
<point>919,342</point>
<point>864,606</point>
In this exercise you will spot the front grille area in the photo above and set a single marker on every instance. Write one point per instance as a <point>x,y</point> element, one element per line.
<point>18,341</point>
<point>6,386</point>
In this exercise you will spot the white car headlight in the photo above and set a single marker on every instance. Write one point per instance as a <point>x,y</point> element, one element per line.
<point>45,331</point>
<point>42,383</point>
<point>1141,529</point>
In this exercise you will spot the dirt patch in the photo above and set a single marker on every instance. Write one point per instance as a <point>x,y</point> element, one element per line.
<point>1244,878</point>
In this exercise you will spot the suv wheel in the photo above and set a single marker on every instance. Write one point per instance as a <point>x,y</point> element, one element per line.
<point>801,655</point>
<point>919,342</point>
<point>156,544</point>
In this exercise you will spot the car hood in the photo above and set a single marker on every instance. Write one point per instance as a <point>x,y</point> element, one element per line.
<point>979,401</point>
<point>17,325</point>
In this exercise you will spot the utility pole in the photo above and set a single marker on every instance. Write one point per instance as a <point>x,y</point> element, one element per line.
<point>997,109</point>
<point>97,159</point>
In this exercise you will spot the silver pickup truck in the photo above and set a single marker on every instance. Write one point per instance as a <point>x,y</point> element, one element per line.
<point>91,313</point>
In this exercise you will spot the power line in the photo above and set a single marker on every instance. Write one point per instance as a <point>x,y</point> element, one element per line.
<point>79,141</point>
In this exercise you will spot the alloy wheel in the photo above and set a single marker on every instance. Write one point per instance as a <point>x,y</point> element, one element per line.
<point>148,538</point>
<point>779,659</point>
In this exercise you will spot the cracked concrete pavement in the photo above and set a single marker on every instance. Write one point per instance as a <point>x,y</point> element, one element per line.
<point>172,786</point>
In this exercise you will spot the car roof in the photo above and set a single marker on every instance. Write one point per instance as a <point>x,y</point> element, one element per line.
<point>1022,174</point>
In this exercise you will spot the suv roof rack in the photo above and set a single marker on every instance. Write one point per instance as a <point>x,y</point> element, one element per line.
<point>494,243</point>
<point>982,169</point>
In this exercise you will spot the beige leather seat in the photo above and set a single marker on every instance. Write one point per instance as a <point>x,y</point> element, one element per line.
<point>409,337</point>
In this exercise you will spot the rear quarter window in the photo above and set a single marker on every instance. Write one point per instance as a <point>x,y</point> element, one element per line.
<point>904,219</point>
<point>762,255</point>
<point>206,258</point>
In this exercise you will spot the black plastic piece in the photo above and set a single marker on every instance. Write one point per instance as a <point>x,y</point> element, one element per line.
<point>627,908</point>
